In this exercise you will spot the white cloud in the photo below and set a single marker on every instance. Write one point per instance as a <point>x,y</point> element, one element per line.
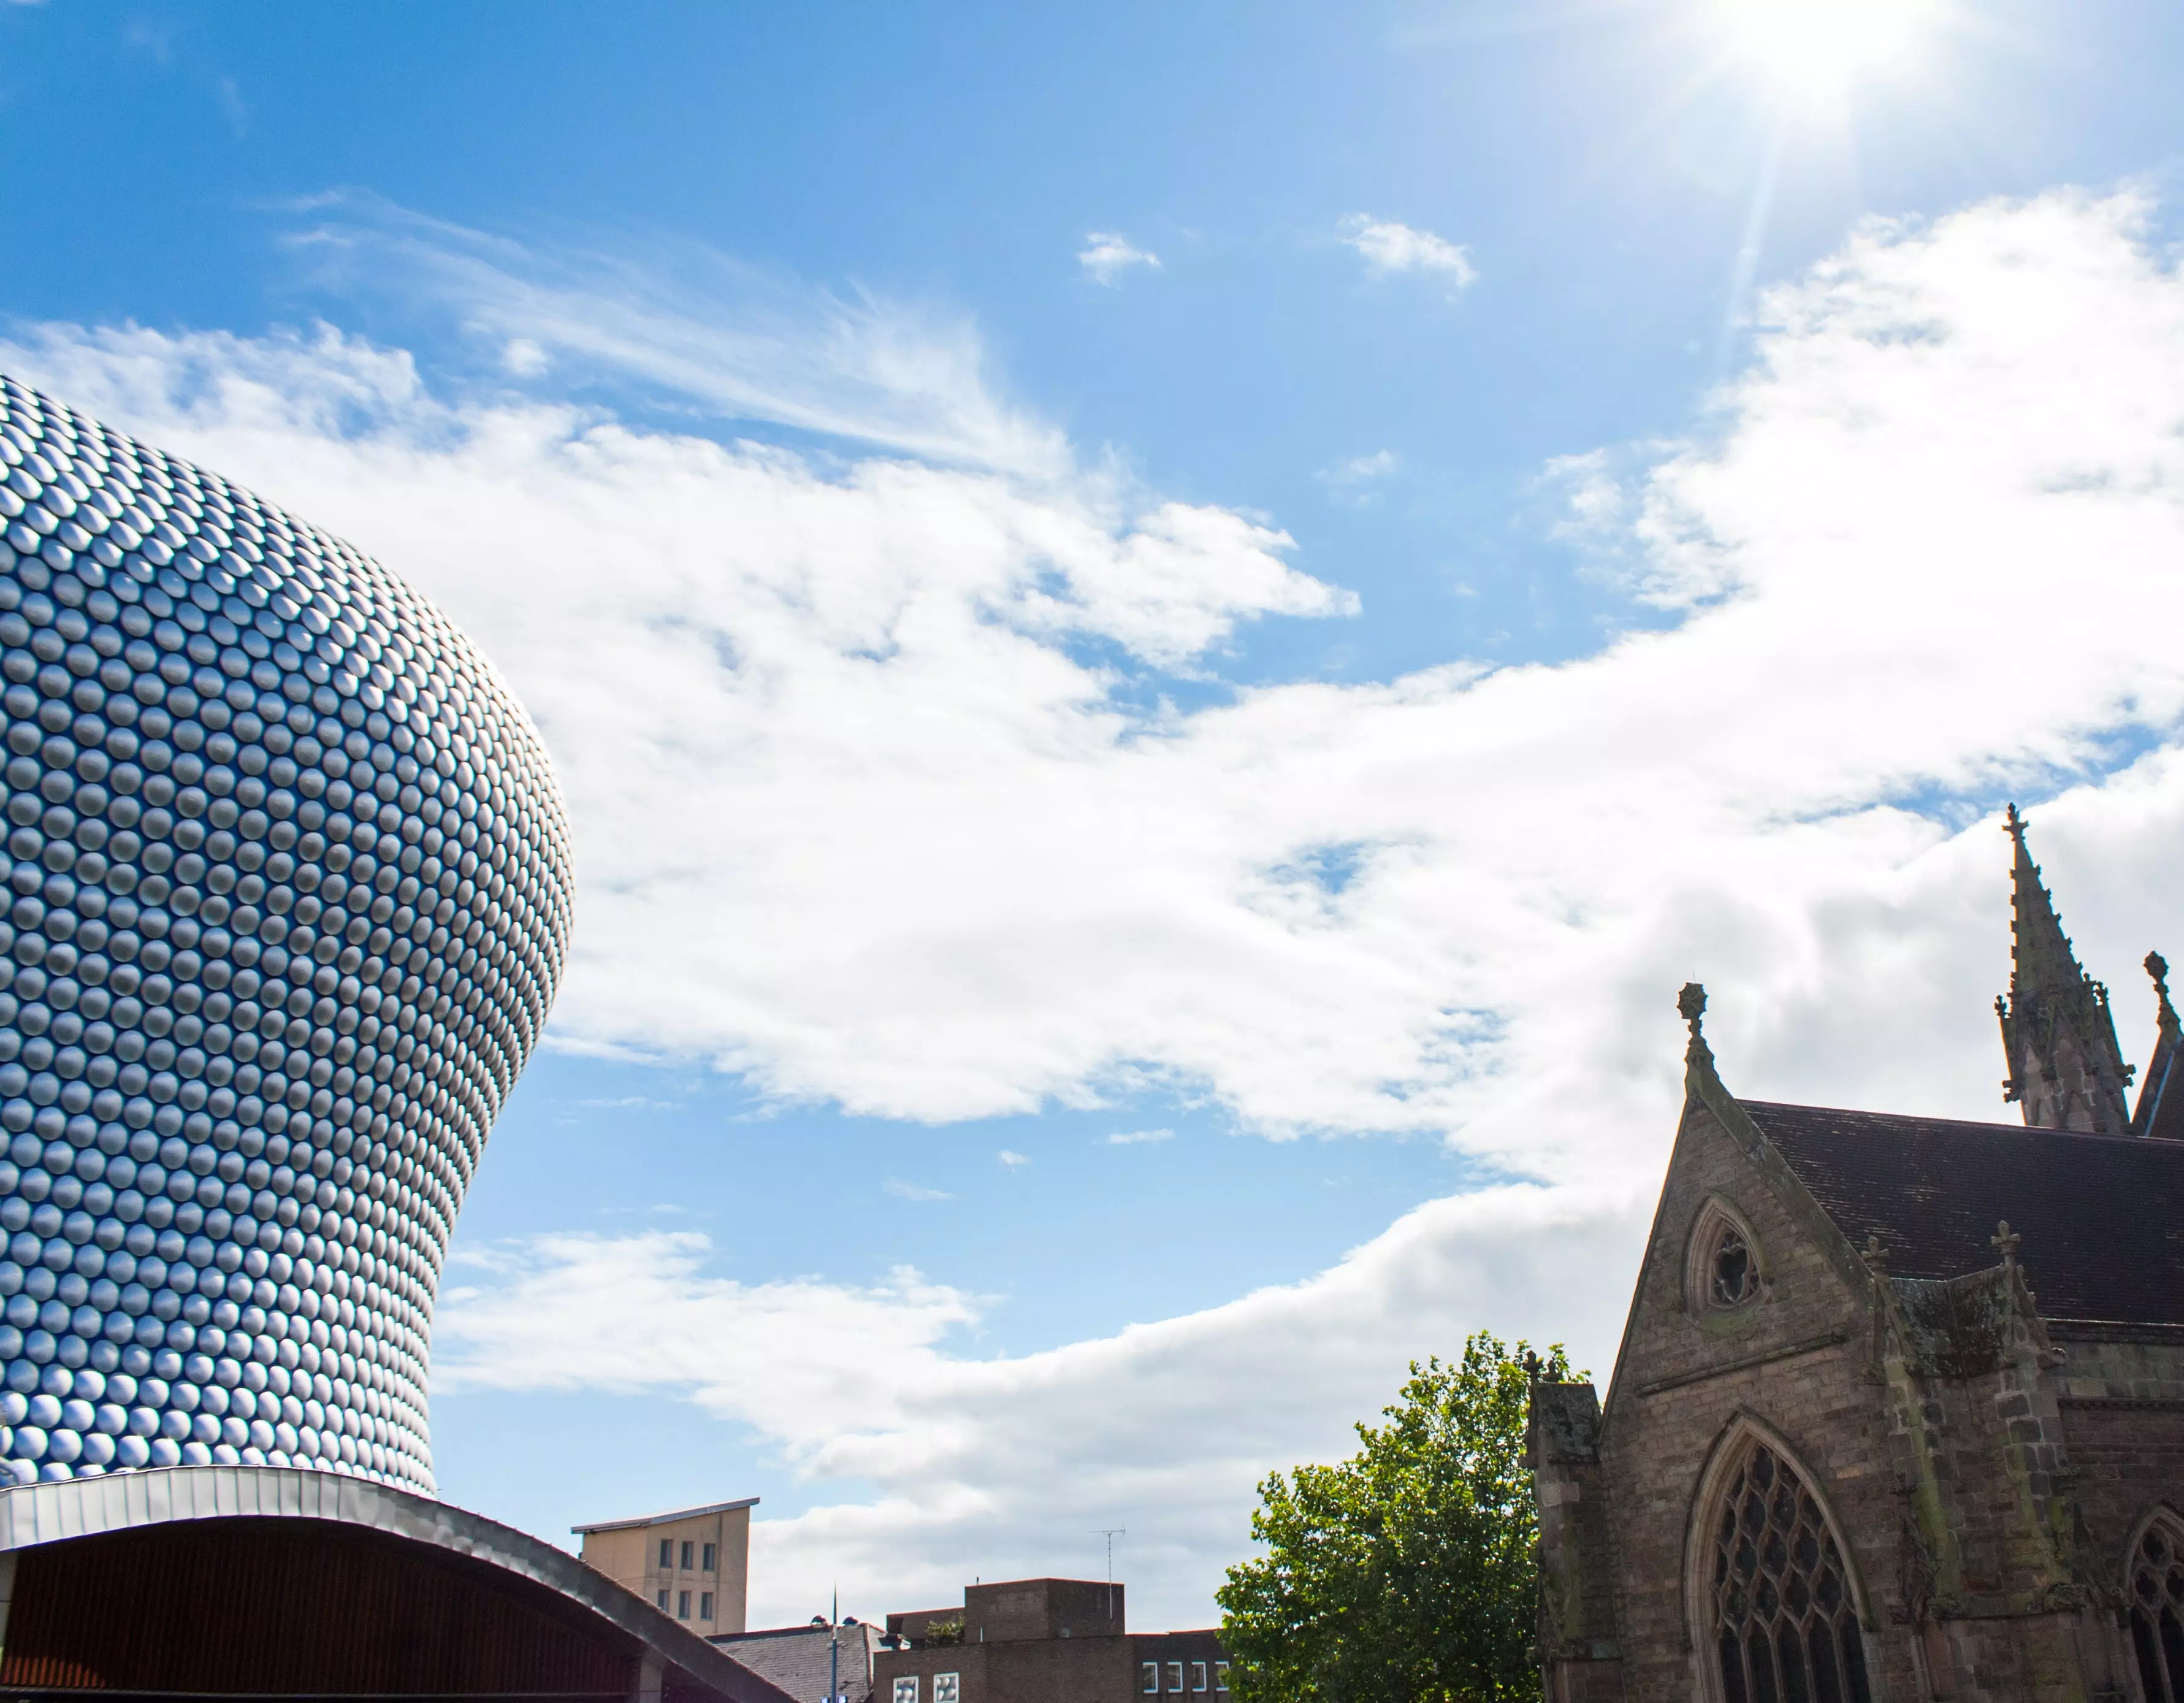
<point>524,358</point>
<point>914,1191</point>
<point>748,342</point>
<point>1389,247</point>
<point>976,1465</point>
<point>1107,254</point>
<point>1014,1161</point>
<point>1131,1138</point>
<point>855,812</point>
<point>1359,479</point>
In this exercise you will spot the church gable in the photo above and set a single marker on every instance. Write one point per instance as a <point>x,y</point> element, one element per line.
<point>1743,1266</point>
<point>1867,1440</point>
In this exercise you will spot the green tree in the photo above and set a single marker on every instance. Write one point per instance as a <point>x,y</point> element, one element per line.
<point>1404,1574</point>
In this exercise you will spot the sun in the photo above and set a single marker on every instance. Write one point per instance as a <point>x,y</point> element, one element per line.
<point>1817,47</point>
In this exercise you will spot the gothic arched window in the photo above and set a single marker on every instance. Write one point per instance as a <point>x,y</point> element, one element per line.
<point>2154,1588</point>
<point>1785,1626</point>
<point>1722,1270</point>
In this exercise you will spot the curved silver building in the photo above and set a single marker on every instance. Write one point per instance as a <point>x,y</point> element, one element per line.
<point>289,893</point>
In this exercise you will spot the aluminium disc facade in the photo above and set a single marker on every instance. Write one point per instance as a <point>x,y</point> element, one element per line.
<point>289,895</point>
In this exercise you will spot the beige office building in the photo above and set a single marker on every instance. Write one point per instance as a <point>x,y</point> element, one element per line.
<point>694,1564</point>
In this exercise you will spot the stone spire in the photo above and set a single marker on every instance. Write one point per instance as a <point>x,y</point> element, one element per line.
<point>2065,1069</point>
<point>2160,1112</point>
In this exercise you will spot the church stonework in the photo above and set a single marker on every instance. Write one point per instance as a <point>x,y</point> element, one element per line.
<point>1899,1413</point>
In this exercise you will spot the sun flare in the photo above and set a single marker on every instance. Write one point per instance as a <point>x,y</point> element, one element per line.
<point>1817,46</point>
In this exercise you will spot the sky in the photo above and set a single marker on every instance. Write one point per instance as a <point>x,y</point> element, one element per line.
<point>1167,630</point>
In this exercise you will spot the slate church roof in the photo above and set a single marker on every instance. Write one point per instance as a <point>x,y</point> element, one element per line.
<point>2102,1216</point>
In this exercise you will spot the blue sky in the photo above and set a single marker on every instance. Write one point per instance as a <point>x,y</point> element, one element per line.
<point>1265,581</point>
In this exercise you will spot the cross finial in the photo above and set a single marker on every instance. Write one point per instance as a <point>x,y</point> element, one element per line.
<point>2006,1239</point>
<point>1876,1255</point>
<point>2013,824</point>
<point>1531,1367</point>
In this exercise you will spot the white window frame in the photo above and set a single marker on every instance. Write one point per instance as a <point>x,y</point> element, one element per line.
<point>1175,1677</point>
<point>947,1688</point>
<point>1197,1676</point>
<point>905,1687</point>
<point>1151,1674</point>
<point>1220,1676</point>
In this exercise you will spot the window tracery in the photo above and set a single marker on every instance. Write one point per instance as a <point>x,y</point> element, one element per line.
<point>1785,1628</point>
<point>2154,1589</point>
<point>1723,1270</point>
<point>1733,1273</point>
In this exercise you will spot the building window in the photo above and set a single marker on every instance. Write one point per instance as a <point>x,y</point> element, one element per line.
<point>682,1606</point>
<point>2155,1591</point>
<point>686,1555</point>
<point>1723,1272</point>
<point>705,1606</point>
<point>1786,1629</point>
<point>709,1558</point>
<point>667,1554</point>
<point>1735,1277</point>
<point>1151,1670</point>
<point>1175,1676</point>
<point>662,1600</point>
<point>947,1688</point>
<point>906,1688</point>
<point>1220,1676</point>
<point>1198,1676</point>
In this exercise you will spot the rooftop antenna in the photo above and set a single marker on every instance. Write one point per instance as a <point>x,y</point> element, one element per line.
<point>1111,1533</point>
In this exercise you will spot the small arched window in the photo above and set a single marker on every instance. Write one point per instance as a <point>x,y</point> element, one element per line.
<point>2154,1589</point>
<point>1785,1626</point>
<point>1723,1272</point>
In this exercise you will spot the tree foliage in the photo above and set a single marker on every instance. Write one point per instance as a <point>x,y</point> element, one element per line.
<point>1404,1574</point>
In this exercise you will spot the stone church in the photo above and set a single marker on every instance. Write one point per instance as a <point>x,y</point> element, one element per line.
<point>1899,1413</point>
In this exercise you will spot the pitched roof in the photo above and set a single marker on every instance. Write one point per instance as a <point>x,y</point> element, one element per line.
<point>799,1659</point>
<point>2102,1216</point>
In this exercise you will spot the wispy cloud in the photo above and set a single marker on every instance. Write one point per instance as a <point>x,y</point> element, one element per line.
<point>1132,1138</point>
<point>914,1191</point>
<point>745,342</point>
<point>1389,247</point>
<point>1359,480</point>
<point>1014,1161</point>
<point>1107,254</point>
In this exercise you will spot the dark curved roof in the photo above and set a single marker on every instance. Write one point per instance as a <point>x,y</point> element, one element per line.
<point>34,1515</point>
<point>2102,1216</point>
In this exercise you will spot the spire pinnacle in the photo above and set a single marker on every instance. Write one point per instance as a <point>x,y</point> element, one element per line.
<point>2160,1112</point>
<point>2065,1069</point>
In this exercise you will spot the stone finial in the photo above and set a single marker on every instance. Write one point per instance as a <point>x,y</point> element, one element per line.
<point>1531,1367</point>
<point>1690,1004</point>
<point>2006,1239</point>
<point>2157,967</point>
<point>2013,824</point>
<point>1876,1254</point>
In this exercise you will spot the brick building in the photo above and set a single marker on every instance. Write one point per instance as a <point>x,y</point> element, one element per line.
<point>1866,1440</point>
<point>1043,1641</point>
